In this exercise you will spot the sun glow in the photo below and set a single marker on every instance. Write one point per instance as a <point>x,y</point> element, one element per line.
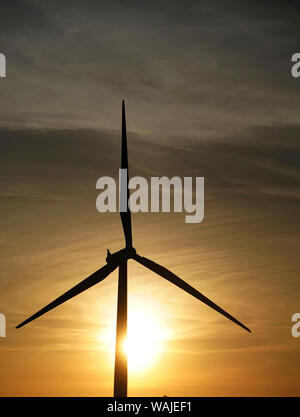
<point>144,342</point>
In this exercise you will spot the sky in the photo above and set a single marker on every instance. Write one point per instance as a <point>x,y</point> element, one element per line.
<point>209,92</point>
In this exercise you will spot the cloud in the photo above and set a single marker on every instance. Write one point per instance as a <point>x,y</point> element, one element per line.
<point>204,70</point>
<point>209,93</point>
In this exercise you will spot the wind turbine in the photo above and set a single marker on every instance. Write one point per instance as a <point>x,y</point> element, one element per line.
<point>119,260</point>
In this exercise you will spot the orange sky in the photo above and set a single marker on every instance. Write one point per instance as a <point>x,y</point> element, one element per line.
<point>208,92</point>
<point>243,256</point>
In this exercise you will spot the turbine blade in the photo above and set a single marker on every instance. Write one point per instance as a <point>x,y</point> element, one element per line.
<point>82,286</point>
<point>168,275</point>
<point>124,190</point>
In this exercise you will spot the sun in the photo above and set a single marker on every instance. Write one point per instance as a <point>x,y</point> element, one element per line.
<point>144,342</point>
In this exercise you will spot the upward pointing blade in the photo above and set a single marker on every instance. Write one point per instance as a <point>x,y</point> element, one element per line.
<point>82,286</point>
<point>165,273</point>
<point>124,190</point>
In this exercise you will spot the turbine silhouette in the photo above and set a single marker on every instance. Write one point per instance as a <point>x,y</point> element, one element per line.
<point>119,260</point>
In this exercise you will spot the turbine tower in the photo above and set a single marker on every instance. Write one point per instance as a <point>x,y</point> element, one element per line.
<point>119,260</point>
